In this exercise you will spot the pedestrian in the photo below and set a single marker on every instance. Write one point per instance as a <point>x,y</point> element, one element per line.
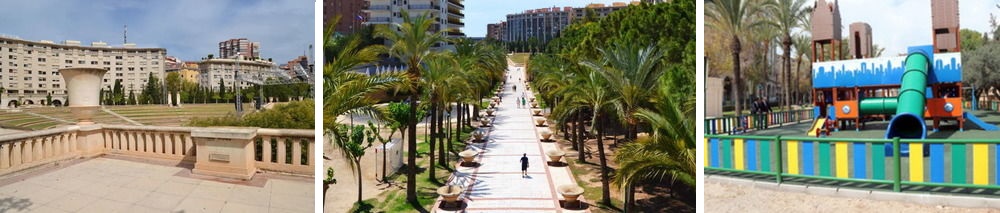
<point>524,102</point>
<point>515,88</point>
<point>524,165</point>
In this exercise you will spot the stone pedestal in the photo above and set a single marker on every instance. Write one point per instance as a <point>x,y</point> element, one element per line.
<point>225,152</point>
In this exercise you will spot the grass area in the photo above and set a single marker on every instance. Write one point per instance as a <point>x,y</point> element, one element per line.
<point>156,115</point>
<point>593,193</point>
<point>394,200</point>
<point>520,58</point>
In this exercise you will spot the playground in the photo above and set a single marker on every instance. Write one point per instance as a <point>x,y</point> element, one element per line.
<point>876,124</point>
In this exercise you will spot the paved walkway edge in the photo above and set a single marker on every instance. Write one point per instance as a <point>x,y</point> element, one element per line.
<point>922,198</point>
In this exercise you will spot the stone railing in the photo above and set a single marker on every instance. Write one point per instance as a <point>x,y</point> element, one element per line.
<point>285,150</point>
<point>30,149</point>
<point>173,143</point>
<point>278,150</point>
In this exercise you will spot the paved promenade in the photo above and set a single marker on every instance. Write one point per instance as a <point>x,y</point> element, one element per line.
<point>497,185</point>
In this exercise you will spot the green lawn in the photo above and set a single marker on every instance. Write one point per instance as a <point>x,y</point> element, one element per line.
<point>520,58</point>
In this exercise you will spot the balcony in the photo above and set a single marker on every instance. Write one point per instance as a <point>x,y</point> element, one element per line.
<point>457,3</point>
<point>424,7</point>
<point>378,20</point>
<point>378,8</point>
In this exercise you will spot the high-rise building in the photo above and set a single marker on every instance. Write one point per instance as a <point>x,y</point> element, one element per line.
<point>495,30</point>
<point>544,24</point>
<point>446,13</point>
<point>211,71</point>
<point>239,46</point>
<point>351,14</point>
<point>29,70</point>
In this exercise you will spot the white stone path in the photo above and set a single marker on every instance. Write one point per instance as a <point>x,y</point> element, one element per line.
<point>496,185</point>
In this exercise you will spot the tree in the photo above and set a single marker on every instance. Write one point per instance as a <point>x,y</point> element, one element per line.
<point>786,15</point>
<point>733,18</point>
<point>971,39</point>
<point>222,91</point>
<point>669,152</point>
<point>131,97</point>
<point>412,42</point>
<point>802,48</point>
<point>630,70</point>
<point>174,85</point>
<point>118,92</point>
<point>48,99</point>
<point>594,95</point>
<point>152,93</point>
<point>981,66</point>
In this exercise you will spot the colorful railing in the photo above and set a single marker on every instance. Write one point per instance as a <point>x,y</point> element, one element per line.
<point>947,163</point>
<point>735,124</point>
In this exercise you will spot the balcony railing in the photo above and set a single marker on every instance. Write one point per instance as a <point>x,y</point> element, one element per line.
<point>378,7</point>
<point>424,7</point>
<point>378,20</point>
<point>278,150</point>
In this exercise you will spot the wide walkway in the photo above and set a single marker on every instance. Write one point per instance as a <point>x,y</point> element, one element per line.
<point>113,185</point>
<point>497,185</point>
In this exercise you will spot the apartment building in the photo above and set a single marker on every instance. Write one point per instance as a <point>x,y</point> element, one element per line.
<point>29,70</point>
<point>495,31</point>
<point>211,71</point>
<point>447,13</point>
<point>544,24</point>
<point>351,14</point>
<point>239,46</point>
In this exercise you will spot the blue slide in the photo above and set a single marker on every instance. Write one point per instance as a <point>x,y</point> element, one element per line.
<point>986,126</point>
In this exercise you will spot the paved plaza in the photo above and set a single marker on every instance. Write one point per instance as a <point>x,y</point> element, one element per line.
<point>497,185</point>
<point>115,185</point>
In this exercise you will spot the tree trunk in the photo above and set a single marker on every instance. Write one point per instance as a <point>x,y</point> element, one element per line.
<point>411,175</point>
<point>357,161</point>
<point>433,140</point>
<point>442,136</point>
<point>605,184</point>
<point>787,45</point>
<point>795,82</point>
<point>384,157</point>
<point>581,137</point>
<point>738,77</point>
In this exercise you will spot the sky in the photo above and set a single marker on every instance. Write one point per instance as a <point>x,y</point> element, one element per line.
<point>188,29</point>
<point>898,24</point>
<point>479,13</point>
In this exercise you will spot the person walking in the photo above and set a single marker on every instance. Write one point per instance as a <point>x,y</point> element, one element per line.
<point>524,165</point>
<point>524,102</point>
<point>515,88</point>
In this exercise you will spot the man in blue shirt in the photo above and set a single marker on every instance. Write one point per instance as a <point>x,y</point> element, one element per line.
<point>524,165</point>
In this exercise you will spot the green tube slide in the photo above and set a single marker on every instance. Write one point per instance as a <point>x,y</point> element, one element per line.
<point>874,106</point>
<point>909,119</point>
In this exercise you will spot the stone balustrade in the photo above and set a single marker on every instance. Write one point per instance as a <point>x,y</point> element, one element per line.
<point>30,149</point>
<point>276,150</point>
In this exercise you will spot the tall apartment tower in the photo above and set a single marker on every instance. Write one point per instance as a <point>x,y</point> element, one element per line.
<point>446,13</point>
<point>239,46</point>
<point>545,24</point>
<point>29,70</point>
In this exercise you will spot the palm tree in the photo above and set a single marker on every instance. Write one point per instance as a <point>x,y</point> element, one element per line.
<point>439,82</point>
<point>669,152</point>
<point>630,71</point>
<point>593,94</point>
<point>412,42</point>
<point>733,18</point>
<point>349,93</point>
<point>786,15</point>
<point>802,49</point>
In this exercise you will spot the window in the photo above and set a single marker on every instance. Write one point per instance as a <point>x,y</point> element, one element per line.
<point>55,86</point>
<point>118,57</point>
<point>81,62</point>
<point>69,61</point>
<point>93,62</point>
<point>41,59</point>
<point>107,63</point>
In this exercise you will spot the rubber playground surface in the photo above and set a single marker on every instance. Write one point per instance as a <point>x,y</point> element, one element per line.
<point>876,129</point>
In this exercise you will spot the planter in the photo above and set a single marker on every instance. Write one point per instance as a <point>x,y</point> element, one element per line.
<point>489,112</point>
<point>449,194</point>
<point>468,156</point>
<point>83,89</point>
<point>571,193</point>
<point>534,104</point>
<point>531,99</point>
<point>536,112</point>
<point>540,121</point>
<point>642,136</point>
<point>493,104</point>
<point>546,134</point>
<point>484,122</point>
<point>555,155</point>
<point>477,135</point>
